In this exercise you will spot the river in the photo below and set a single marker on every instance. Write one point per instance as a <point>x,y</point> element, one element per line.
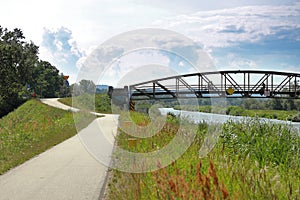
<point>197,117</point>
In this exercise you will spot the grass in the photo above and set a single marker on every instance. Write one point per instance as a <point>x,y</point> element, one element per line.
<point>251,160</point>
<point>100,102</point>
<point>271,114</point>
<point>33,128</point>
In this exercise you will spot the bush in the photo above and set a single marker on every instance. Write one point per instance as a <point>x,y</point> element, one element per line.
<point>296,118</point>
<point>235,110</point>
<point>206,109</point>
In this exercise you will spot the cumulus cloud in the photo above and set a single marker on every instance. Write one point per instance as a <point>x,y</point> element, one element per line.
<point>272,28</point>
<point>61,48</point>
<point>249,37</point>
<point>170,49</point>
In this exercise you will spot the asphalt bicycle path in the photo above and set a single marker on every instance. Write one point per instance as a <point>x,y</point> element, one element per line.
<point>66,171</point>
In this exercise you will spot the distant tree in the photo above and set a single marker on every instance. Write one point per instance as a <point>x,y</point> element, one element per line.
<point>297,104</point>
<point>83,87</point>
<point>46,80</point>
<point>87,86</point>
<point>76,90</point>
<point>274,104</point>
<point>252,104</point>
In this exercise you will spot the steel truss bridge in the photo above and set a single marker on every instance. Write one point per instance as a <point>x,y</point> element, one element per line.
<point>217,84</point>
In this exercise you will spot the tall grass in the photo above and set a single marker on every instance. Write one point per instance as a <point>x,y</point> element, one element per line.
<point>251,160</point>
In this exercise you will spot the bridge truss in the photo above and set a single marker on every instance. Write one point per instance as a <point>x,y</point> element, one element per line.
<point>218,84</point>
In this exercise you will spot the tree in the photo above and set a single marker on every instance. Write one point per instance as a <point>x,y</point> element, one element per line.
<point>17,59</point>
<point>83,87</point>
<point>88,86</point>
<point>46,80</point>
<point>252,104</point>
<point>274,104</point>
<point>22,72</point>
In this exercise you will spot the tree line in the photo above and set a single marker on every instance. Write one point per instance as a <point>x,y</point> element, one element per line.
<point>22,73</point>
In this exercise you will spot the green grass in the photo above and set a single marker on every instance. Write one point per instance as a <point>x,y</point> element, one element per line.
<point>31,129</point>
<point>251,160</point>
<point>270,114</point>
<point>67,101</point>
<point>100,104</point>
<point>273,114</point>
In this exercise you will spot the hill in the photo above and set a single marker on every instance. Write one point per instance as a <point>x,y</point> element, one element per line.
<point>30,130</point>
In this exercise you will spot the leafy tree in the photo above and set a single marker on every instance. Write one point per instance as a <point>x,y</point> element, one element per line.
<point>297,104</point>
<point>252,104</point>
<point>20,67</point>
<point>17,59</point>
<point>88,86</point>
<point>84,86</point>
<point>46,80</point>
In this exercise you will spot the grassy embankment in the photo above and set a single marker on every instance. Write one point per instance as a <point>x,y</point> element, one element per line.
<point>32,128</point>
<point>251,160</point>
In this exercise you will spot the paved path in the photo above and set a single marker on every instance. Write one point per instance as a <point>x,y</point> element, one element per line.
<point>66,171</point>
<point>55,103</point>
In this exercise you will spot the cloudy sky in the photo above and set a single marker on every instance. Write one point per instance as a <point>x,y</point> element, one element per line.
<point>236,34</point>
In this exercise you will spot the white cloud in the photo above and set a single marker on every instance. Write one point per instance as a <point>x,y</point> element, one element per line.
<point>91,22</point>
<point>181,64</point>
<point>221,28</point>
<point>136,66</point>
<point>171,48</point>
<point>241,63</point>
<point>59,48</point>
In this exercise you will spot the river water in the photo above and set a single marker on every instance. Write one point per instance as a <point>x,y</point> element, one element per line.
<point>197,117</point>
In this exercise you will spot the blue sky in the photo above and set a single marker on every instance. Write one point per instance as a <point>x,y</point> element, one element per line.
<point>236,34</point>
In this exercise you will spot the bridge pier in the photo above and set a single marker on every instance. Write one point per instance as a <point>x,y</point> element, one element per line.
<point>120,97</point>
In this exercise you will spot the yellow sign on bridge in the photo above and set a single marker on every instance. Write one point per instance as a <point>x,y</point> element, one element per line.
<point>230,91</point>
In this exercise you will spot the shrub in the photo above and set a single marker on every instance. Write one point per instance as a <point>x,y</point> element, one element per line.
<point>235,110</point>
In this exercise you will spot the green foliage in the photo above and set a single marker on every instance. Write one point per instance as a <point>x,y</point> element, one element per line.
<point>296,118</point>
<point>102,103</point>
<point>290,115</point>
<point>268,144</point>
<point>251,160</point>
<point>84,87</point>
<point>31,129</point>
<point>17,59</point>
<point>206,109</point>
<point>235,110</point>
<point>99,102</point>
<point>271,104</point>
<point>20,67</point>
<point>46,81</point>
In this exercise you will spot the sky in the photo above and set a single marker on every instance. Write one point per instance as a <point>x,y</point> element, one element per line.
<point>235,34</point>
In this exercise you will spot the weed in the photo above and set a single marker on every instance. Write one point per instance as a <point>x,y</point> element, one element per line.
<point>252,159</point>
